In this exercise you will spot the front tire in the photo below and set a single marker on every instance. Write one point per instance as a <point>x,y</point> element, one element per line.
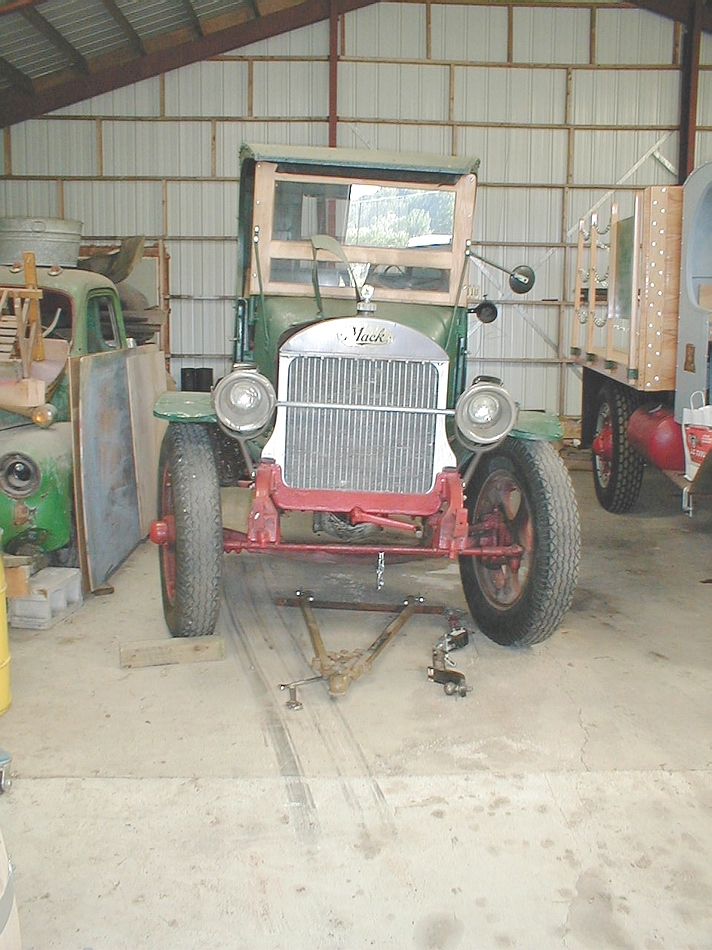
<point>191,558</point>
<point>526,486</point>
<point>617,467</point>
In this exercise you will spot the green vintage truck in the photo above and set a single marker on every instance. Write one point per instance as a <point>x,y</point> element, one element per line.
<point>69,458</point>
<point>349,400</point>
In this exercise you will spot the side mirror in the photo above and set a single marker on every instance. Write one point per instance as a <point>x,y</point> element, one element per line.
<point>521,279</point>
<point>486,312</point>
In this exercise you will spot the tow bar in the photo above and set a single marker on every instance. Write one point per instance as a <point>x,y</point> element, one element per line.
<point>340,669</point>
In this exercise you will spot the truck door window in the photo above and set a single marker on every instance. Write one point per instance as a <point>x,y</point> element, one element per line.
<point>102,326</point>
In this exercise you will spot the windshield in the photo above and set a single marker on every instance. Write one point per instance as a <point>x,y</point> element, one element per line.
<point>365,215</point>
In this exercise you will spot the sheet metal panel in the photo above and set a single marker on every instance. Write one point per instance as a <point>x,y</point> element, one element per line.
<point>27,50</point>
<point>550,36</point>
<point>231,135</point>
<point>633,37</point>
<point>432,139</point>
<point>28,198</point>
<point>207,89</point>
<point>548,265</point>
<point>703,148</point>
<point>466,33</point>
<point>386,31</point>
<point>393,91</point>
<point>151,17</point>
<point>584,201</point>
<point>528,96</point>
<point>520,332</point>
<point>203,268</point>
<point>115,208</point>
<point>607,155</point>
<point>283,89</point>
<point>306,41</point>
<point>704,99</point>
<point>202,209</point>
<point>171,148</point>
<point>87,26</point>
<point>625,97</point>
<point>140,99</point>
<point>504,214</point>
<point>533,385</point>
<point>47,147</point>
<point>529,156</point>
<point>706,49</point>
<point>202,327</point>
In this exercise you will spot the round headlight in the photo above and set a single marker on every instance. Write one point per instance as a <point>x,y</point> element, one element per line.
<point>19,475</point>
<point>485,413</point>
<point>244,402</point>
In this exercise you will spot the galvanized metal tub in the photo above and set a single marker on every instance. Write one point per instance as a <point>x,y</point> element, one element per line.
<point>52,240</point>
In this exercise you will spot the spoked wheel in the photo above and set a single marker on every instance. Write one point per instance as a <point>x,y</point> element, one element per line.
<point>617,467</point>
<point>191,554</point>
<point>521,495</point>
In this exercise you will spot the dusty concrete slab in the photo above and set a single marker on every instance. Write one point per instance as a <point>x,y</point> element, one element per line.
<point>565,802</point>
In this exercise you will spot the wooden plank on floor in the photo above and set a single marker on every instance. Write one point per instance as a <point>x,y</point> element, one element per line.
<point>163,652</point>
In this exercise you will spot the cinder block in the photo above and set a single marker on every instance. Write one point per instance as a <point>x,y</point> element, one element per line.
<point>55,592</point>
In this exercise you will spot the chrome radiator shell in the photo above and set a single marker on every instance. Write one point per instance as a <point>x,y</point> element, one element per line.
<point>361,407</point>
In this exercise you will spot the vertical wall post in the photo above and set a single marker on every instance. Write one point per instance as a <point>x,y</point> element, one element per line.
<point>333,69</point>
<point>689,82</point>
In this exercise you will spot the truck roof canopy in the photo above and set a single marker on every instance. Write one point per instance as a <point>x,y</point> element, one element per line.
<point>354,159</point>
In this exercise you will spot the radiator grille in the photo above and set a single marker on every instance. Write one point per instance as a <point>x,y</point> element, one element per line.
<point>361,449</point>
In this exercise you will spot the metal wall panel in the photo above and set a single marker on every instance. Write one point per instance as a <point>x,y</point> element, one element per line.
<point>505,214</point>
<point>393,91</point>
<point>500,94</point>
<point>230,135</point>
<point>140,99</point>
<point>625,97</point>
<point>115,208</point>
<point>306,41</point>
<point>386,31</point>
<point>202,327</point>
<point>706,50</point>
<point>151,17</point>
<point>704,99</point>
<point>207,89</point>
<point>609,155</point>
<point>435,139</point>
<point>529,156</point>
<point>28,198</point>
<point>283,89</point>
<point>468,33</point>
<point>703,148</point>
<point>157,148</point>
<point>26,49</point>
<point>201,269</point>
<point>54,147</point>
<point>634,37</point>
<point>550,36</point>
<point>202,208</point>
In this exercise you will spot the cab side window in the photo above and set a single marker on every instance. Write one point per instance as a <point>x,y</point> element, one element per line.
<point>102,326</point>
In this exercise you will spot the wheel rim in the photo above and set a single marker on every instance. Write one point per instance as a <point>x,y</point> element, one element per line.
<point>604,435</point>
<point>503,581</point>
<point>168,548</point>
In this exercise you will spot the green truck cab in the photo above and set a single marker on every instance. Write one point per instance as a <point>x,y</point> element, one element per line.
<point>80,314</point>
<point>349,399</point>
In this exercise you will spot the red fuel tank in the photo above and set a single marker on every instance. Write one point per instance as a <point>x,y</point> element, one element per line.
<point>653,432</point>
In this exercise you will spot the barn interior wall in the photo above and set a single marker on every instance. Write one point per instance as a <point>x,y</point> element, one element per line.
<point>563,104</point>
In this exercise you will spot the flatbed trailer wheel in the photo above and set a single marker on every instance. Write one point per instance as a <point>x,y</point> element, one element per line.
<point>617,467</point>
<point>191,557</point>
<point>523,488</point>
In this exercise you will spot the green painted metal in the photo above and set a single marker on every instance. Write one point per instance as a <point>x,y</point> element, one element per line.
<point>346,158</point>
<point>538,426</point>
<point>44,519</point>
<point>185,407</point>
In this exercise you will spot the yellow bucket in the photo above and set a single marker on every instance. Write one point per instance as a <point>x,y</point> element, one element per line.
<point>5,697</point>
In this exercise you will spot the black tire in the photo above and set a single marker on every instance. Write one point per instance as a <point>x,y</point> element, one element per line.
<point>191,558</point>
<point>618,477</point>
<point>526,486</point>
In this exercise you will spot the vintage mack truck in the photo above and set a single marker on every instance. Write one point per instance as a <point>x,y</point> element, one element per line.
<point>349,400</point>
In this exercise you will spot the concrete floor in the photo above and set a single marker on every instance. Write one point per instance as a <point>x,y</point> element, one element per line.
<point>564,803</point>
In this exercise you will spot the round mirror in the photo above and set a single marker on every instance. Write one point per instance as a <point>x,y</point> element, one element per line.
<point>521,279</point>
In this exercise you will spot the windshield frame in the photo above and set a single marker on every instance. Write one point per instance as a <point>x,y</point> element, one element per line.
<point>449,258</point>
